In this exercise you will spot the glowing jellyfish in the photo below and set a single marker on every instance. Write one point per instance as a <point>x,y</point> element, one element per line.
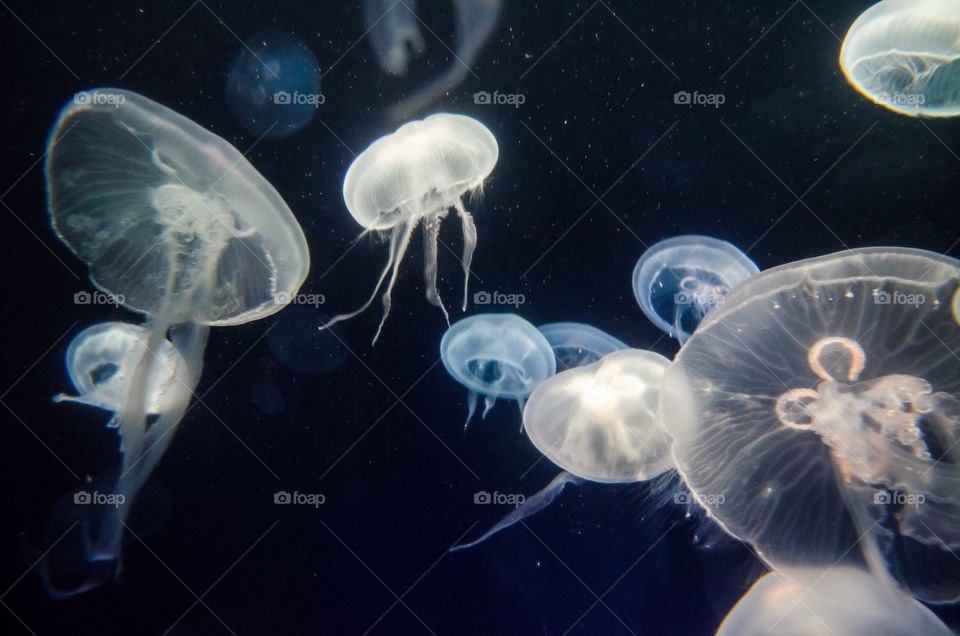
<point>497,356</point>
<point>821,402</point>
<point>840,601</point>
<point>903,55</point>
<point>576,344</point>
<point>273,89</point>
<point>598,423</point>
<point>174,222</point>
<point>416,174</point>
<point>678,280</point>
<point>394,31</point>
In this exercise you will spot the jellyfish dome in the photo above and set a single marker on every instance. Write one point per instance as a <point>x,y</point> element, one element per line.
<point>840,601</point>
<point>903,55</point>
<point>576,344</point>
<point>416,174</point>
<point>497,356</point>
<point>822,401</point>
<point>599,421</point>
<point>678,280</point>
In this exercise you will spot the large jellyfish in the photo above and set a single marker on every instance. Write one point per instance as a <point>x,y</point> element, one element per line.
<point>417,174</point>
<point>598,423</point>
<point>905,56</point>
<point>678,280</point>
<point>576,344</point>
<point>175,223</point>
<point>497,356</point>
<point>839,601</point>
<point>819,406</point>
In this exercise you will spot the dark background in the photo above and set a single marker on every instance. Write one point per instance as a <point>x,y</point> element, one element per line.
<point>399,478</point>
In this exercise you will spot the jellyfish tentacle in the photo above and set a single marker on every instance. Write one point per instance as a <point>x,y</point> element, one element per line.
<point>406,230</point>
<point>472,398</point>
<point>431,230</point>
<point>469,245</point>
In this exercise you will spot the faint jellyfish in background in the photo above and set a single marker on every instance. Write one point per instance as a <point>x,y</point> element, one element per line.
<point>176,224</point>
<point>678,280</point>
<point>576,344</point>
<point>394,32</point>
<point>834,601</point>
<point>829,388</point>
<point>416,174</point>
<point>598,423</point>
<point>273,89</point>
<point>904,55</point>
<point>497,356</point>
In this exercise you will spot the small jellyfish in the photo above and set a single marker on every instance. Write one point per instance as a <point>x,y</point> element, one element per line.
<point>598,423</point>
<point>576,344</point>
<point>903,55</point>
<point>177,225</point>
<point>497,356</point>
<point>837,601</point>
<point>394,33</point>
<point>828,389</point>
<point>416,174</point>
<point>273,89</point>
<point>295,339</point>
<point>678,280</point>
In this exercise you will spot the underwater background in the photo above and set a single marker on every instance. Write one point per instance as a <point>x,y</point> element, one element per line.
<point>597,162</point>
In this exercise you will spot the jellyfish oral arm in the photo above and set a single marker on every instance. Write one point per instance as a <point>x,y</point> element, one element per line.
<point>469,245</point>
<point>431,228</point>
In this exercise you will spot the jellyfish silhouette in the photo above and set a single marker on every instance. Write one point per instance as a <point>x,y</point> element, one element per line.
<point>416,174</point>
<point>177,225</point>
<point>273,89</point>
<point>827,389</point>
<point>678,280</point>
<point>576,344</point>
<point>394,32</point>
<point>497,356</point>
<point>598,423</point>
<point>903,55</point>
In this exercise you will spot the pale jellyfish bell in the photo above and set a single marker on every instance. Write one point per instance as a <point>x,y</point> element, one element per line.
<point>576,344</point>
<point>177,225</point>
<point>827,389</point>
<point>413,176</point>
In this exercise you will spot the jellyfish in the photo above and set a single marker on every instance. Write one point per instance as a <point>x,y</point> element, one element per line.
<point>273,89</point>
<point>295,340</point>
<point>820,407</point>
<point>903,55</point>
<point>416,174</point>
<point>394,33</point>
<point>598,423</point>
<point>177,225</point>
<point>839,601</point>
<point>576,344</point>
<point>497,356</point>
<point>678,280</point>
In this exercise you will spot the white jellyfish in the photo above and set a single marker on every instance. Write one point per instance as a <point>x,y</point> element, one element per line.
<point>576,344</point>
<point>177,225</point>
<point>416,175</point>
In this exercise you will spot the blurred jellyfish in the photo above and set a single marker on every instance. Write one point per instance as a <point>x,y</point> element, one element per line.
<point>903,55</point>
<point>678,280</point>
<point>295,339</point>
<point>273,89</point>
<point>414,174</point>
<point>177,225</point>
<point>576,344</point>
<point>394,32</point>
<point>598,423</point>
<point>827,389</point>
<point>497,356</point>
<point>840,601</point>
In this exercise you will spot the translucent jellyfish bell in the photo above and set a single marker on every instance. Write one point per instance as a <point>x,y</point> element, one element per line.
<point>576,344</point>
<point>415,175</point>
<point>827,389</point>
<point>395,33</point>
<point>678,280</point>
<point>903,55</point>
<point>839,601</point>
<point>497,356</point>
